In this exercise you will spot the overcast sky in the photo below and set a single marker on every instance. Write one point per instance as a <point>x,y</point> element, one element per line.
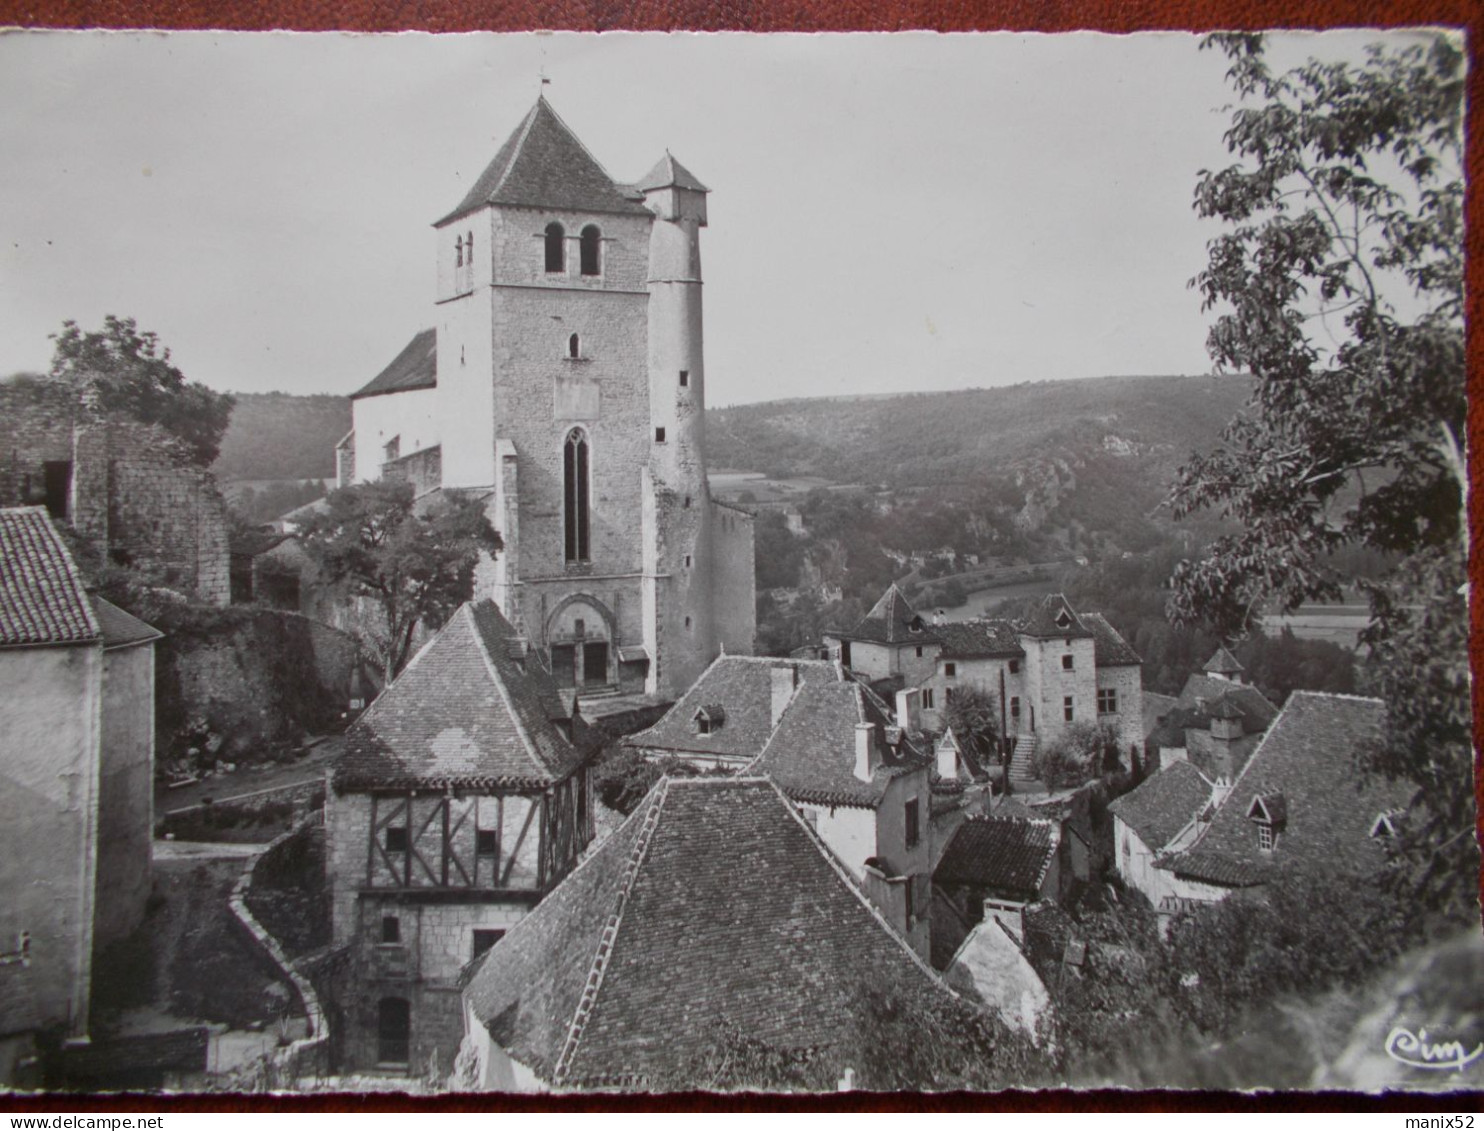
<point>888,213</point>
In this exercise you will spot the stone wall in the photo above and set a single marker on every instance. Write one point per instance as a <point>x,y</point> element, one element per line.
<point>125,791</point>
<point>134,494</point>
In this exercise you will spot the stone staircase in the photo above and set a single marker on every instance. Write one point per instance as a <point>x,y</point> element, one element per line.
<point>1022,777</point>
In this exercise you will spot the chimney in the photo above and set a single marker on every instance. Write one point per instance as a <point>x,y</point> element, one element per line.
<point>866,757</point>
<point>909,707</point>
<point>785,680</point>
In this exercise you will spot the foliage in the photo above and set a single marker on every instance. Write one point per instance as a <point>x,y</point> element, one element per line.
<point>270,500</point>
<point>130,373</point>
<point>623,777</point>
<point>1340,285</point>
<point>1082,751</point>
<point>276,436</point>
<point>974,717</point>
<point>413,562</point>
<point>779,552</point>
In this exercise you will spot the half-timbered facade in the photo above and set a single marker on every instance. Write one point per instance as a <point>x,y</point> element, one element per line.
<point>460,800</point>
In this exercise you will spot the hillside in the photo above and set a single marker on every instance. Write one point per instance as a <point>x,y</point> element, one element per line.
<point>924,439</point>
<point>282,436</point>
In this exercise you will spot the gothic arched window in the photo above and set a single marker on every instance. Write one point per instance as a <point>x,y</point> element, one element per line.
<point>556,249</point>
<point>592,250</point>
<point>575,476</point>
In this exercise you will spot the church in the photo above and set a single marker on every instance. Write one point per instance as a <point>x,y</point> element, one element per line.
<point>563,381</point>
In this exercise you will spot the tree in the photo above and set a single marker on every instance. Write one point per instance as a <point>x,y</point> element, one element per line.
<point>973,716</point>
<point>414,562</point>
<point>130,373</point>
<point>1082,751</point>
<point>1339,282</point>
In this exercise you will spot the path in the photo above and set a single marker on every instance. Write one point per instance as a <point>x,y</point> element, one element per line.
<point>249,781</point>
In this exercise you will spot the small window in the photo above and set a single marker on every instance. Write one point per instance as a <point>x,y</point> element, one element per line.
<point>687,561</point>
<point>591,250</point>
<point>1265,837</point>
<point>1066,708</point>
<point>396,838</point>
<point>556,249</point>
<point>484,939</point>
<point>487,842</point>
<point>659,435</point>
<point>1015,707</point>
<point>1066,662</point>
<point>912,816</point>
<point>950,669</point>
<point>919,651</point>
<point>393,448</point>
<point>1014,667</point>
<point>468,249</point>
<point>703,725</point>
<point>391,929</point>
<point>927,698</point>
<point>684,378</point>
<point>574,346</point>
<point>687,622</point>
<point>1107,701</point>
<point>947,696</point>
<point>458,252</point>
<point>579,627</point>
<point>685,505</point>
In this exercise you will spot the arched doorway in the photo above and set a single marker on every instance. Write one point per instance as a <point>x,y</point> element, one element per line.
<point>579,635</point>
<point>393,1031</point>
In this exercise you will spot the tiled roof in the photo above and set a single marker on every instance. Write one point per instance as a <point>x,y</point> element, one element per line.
<point>416,367</point>
<point>964,640</point>
<point>1164,804</point>
<point>1155,707</point>
<point>1003,854</point>
<point>1054,616</point>
<point>1309,757</point>
<point>1223,663</point>
<point>1206,690</point>
<point>713,907</point>
<point>1202,748</point>
<point>1209,868</point>
<point>1109,649</point>
<point>743,687</point>
<point>543,165</point>
<point>120,629</point>
<point>465,712</point>
<point>667,172</point>
<point>812,752</point>
<point>41,595</point>
<point>892,620</point>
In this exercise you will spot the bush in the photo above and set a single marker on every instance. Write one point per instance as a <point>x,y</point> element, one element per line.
<point>1081,752</point>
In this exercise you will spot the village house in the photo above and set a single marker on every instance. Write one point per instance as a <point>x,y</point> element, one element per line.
<point>1300,805</point>
<point>76,781</point>
<point>714,915</point>
<point>991,968</point>
<point>563,381</point>
<point>835,749</point>
<point>129,489</point>
<point>892,640</point>
<point>1216,722</point>
<point>997,865</point>
<point>461,798</point>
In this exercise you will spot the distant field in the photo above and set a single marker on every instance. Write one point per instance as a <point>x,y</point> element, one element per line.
<point>729,484</point>
<point>983,600</point>
<point>1339,624</point>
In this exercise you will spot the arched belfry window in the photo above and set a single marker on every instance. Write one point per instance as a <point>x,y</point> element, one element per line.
<point>556,249</point>
<point>592,250</point>
<point>574,346</point>
<point>575,475</point>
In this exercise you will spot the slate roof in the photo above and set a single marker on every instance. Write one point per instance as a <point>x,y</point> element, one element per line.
<point>543,165</point>
<point>121,629</point>
<point>967,640</point>
<point>1309,757</point>
<point>811,754</point>
<point>1042,621</point>
<point>416,367</point>
<point>1109,649</point>
<point>669,172</point>
<point>41,595</point>
<point>713,906</point>
<point>1164,803</point>
<point>1223,663</point>
<point>891,621</point>
<point>467,712</point>
<point>1258,712</point>
<point>1002,854</point>
<point>743,687</point>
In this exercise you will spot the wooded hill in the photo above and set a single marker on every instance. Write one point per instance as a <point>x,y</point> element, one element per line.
<point>282,436</point>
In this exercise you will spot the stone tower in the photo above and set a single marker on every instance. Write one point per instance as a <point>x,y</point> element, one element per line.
<point>565,383</point>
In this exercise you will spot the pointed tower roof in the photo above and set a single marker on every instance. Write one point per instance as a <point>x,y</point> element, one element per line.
<point>1223,663</point>
<point>543,165</point>
<point>892,620</point>
<point>670,173</point>
<point>1054,617</point>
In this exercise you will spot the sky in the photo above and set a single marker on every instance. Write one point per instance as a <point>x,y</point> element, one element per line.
<point>889,213</point>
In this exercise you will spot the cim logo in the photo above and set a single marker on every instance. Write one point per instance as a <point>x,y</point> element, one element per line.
<point>1416,1051</point>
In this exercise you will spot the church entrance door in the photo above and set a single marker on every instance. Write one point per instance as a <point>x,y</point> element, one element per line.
<point>595,663</point>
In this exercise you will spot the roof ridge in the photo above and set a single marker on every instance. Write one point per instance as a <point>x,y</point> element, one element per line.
<point>467,608</point>
<point>599,967</point>
<point>1330,695</point>
<point>525,132</point>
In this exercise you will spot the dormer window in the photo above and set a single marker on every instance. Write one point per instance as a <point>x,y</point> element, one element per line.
<point>1063,620</point>
<point>1384,825</point>
<point>709,719</point>
<point>1269,811</point>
